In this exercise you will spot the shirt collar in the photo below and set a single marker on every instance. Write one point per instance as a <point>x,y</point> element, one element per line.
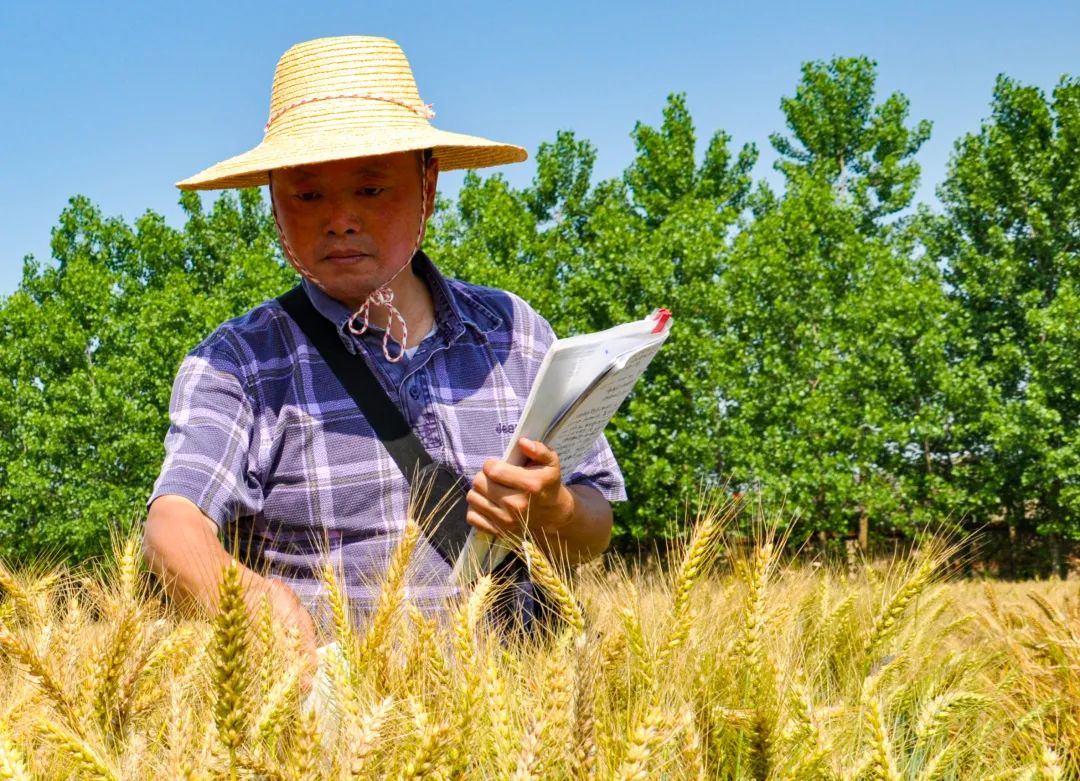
<point>455,307</point>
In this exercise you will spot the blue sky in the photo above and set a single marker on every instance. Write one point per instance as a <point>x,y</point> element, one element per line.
<point>117,101</point>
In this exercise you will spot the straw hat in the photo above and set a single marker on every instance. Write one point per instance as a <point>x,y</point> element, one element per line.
<point>338,98</point>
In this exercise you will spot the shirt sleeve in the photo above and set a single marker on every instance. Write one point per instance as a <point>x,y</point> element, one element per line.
<point>600,470</point>
<point>209,439</point>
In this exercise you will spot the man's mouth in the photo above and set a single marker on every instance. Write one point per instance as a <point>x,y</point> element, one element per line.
<point>345,257</point>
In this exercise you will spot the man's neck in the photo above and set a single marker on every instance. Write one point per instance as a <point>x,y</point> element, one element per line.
<point>413,300</point>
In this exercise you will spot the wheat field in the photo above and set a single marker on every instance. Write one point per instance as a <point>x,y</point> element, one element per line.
<point>734,662</point>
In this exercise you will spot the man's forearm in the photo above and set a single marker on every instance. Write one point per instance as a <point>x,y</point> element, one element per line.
<point>586,534</point>
<point>180,547</point>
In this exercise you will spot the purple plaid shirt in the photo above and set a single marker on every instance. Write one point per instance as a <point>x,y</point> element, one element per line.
<point>266,441</point>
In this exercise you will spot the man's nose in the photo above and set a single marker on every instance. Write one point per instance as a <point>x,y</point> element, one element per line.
<point>343,220</point>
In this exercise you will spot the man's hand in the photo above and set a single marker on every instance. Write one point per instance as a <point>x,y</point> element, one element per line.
<point>506,498</point>
<point>181,547</point>
<point>290,614</point>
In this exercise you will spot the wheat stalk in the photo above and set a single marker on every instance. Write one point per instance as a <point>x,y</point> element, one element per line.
<point>12,763</point>
<point>528,759</point>
<point>500,717</point>
<point>939,711</point>
<point>807,747</point>
<point>391,596</point>
<point>634,635</point>
<point>543,573</point>
<point>178,735</point>
<point>128,567</point>
<point>755,609</point>
<point>362,735</point>
<point>465,625</point>
<point>267,629</point>
<point>692,751</point>
<point>230,677</point>
<point>303,762</point>
<point>700,554</point>
<point>109,703</point>
<point>883,766</point>
<point>261,768</point>
<point>278,705</point>
<point>21,597</point>
<point>23,653</point>
<point>584,711</point>
<point>427,662</point>
<point>86,761</point>
<point>433,734</point>
<point>935,768</point>
<point>641,744</point>
<point>339,608</point>
<point>556,698</point>
<point>885,622</point>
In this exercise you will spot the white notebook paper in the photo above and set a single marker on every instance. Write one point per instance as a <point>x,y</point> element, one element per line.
<point>580,385</point>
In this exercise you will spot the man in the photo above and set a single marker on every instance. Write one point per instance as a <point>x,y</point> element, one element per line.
<point>265,443</point>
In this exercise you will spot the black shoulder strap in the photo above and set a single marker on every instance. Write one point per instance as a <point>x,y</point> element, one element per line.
<point>381,413</point>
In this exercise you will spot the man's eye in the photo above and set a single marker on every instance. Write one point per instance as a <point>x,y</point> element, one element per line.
<point>307,196</point>
<point>371,192</point>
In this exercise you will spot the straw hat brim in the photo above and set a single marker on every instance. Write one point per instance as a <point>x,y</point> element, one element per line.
<point>453,151</point>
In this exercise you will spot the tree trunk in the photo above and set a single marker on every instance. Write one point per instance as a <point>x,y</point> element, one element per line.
<point>1056,564</point>
<point>1012,550</point>
<point>864,531</point>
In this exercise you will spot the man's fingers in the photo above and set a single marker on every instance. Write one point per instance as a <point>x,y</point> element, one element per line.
<point>538,452</point>
<point>530,479</point>
<point>495,513</point>
<point>483,524</point>
<point>493,489</point>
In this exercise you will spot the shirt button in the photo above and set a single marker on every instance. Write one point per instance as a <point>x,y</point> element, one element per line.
<point>414,391</point>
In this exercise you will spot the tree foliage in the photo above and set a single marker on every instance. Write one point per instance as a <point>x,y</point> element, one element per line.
<point>1010,243</point>
<point>91,344</point>
<point>840,136</point>
<point>840,355</point>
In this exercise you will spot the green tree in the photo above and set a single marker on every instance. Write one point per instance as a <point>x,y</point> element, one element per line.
<point>833,348</point>
<point>864,150</point>
<point>837,379</point>
<point>1010,240</point>
<point>89,349</point>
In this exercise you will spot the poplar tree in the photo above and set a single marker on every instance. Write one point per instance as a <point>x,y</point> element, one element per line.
<point>834,334</point>
<point>1010,241</point>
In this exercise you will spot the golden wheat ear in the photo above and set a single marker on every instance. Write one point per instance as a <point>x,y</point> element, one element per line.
<point>41,673</point>
<point>704,548</point>
<point>127,566</point>
<point>466,624</point>
<point>642,743</point>
<point>545,575</point>
<point>231,676</point>
<point>84,758</point>
<point>12,759</point>
<point>348,649</point>
<point>374,652</point>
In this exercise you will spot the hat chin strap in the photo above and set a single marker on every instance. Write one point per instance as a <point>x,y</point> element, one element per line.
<point>382,296</point>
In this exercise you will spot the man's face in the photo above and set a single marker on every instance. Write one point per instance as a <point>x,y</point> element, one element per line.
<point>353,223</point>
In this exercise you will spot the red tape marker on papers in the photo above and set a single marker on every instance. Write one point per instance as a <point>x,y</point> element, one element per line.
<point>661,316</point>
